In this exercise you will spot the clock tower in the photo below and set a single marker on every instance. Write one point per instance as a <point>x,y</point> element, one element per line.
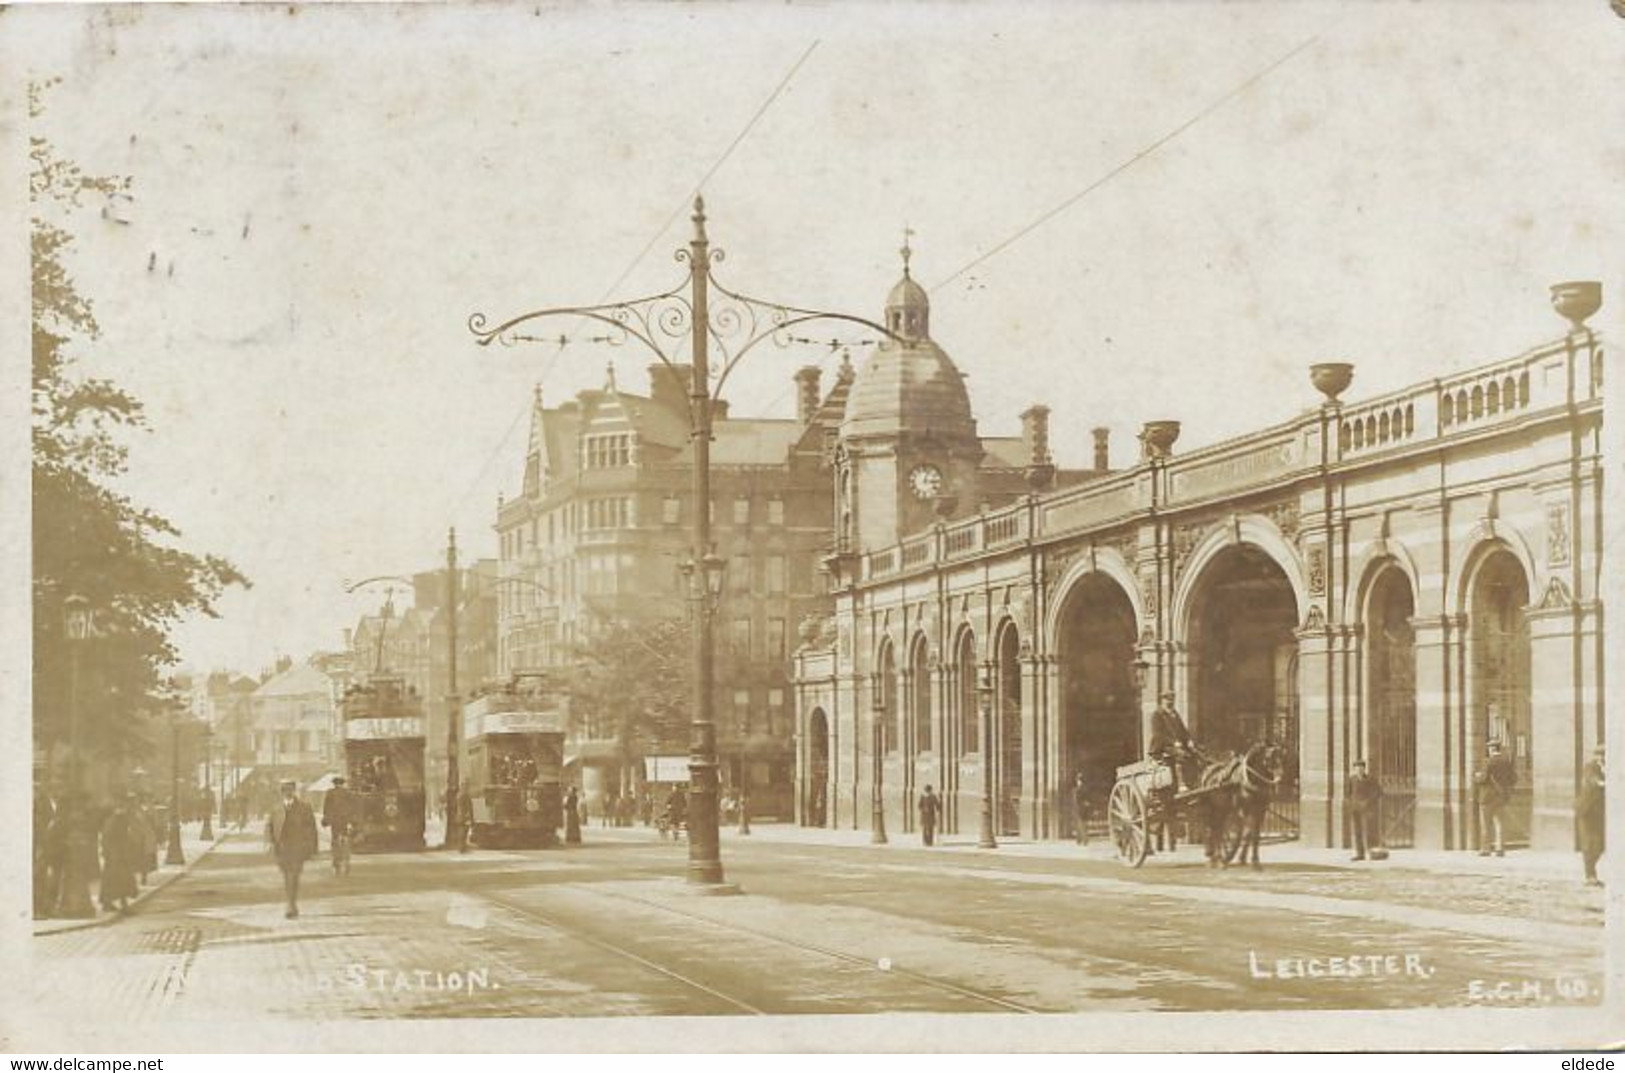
<point>909,454</point>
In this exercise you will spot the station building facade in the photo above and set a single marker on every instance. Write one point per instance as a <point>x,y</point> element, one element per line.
<point>1401,579</point>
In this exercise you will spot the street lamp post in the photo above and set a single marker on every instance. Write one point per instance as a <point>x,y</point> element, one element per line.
<point>735,324</point>
<point>81,841</point>
<point>207,834</point>
<point>984,693</point>
<point>173,854</point>
<point>877,789</point>
<point>453,713</point>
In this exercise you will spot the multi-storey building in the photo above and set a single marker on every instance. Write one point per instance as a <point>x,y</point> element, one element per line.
<point>601,531</point>
<point>290,724</point>
<point>1401,580</point>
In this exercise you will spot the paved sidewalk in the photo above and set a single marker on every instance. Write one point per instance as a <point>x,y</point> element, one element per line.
<point>1525,864</point>
<point>193,848</point>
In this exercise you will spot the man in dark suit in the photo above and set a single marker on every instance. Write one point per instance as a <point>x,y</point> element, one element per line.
<point>1494,782</point>
<point>1589,814</point>
<point>339,815</point>
<point>1364,795</point>
<point>291,832</point>
<point>930,809</point>
<point>1171,739</point>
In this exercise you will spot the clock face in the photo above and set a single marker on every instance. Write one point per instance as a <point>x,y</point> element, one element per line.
<point>926,481</point>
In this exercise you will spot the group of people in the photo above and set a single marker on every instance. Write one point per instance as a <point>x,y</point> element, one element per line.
<point>76,842</point>
<point>513,770</point>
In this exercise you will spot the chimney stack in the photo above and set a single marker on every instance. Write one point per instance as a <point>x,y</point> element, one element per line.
<point>807,399</point>
<point>1035,434</point>
<point>1102,455</point>
<point>668,387</point>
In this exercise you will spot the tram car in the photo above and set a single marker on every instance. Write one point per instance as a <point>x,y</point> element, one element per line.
<point>512,766</point>
<point>384,738</point>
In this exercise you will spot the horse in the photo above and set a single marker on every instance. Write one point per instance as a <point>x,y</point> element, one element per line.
<point>1260,772</point>
<point>1238,788</point>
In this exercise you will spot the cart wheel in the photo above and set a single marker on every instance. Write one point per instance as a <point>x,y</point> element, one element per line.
<point>1129,824</point>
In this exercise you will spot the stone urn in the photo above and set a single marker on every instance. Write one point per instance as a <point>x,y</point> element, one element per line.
<point>1331,378</point>
<point>1577,300</point>
<point>1158,438</point>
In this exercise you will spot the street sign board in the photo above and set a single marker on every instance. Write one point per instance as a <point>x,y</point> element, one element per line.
<point>375,727</point>
<point>665,768</point>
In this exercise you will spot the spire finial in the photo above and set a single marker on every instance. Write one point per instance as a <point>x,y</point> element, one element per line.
<point>538,394</point>
<point>699,217</point>
<point>906,251</point>
<point>609,375</point>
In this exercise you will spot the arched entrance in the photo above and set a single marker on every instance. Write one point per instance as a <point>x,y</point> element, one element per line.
<point>970,715</point>
<point>919,677</point>
<point>817,804</point>
<point>1007,703</point>
<point>1100,718</point>
<point>1244,680</point>
<point>1500,696</point>
<point>888,713</point>
<point>1391,706</point>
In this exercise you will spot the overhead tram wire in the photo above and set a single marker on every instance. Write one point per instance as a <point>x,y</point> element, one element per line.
<point>631,267</point>
<point>1125,165</point>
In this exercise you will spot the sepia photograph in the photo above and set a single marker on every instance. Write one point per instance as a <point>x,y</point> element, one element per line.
<point>842,526</point>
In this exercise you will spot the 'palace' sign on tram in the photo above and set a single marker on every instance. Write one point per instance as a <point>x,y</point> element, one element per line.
<point>373,727</point>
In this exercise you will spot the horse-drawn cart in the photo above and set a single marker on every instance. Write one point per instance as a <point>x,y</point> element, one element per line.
<point>1144,800</point>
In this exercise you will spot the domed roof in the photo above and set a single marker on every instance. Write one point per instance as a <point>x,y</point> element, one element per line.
<point>907,294</point>
<point>914,388</point>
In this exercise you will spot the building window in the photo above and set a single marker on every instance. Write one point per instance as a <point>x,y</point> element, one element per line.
<point>739,574</point>
<point>742,710</point>
<point>739,638</point>
<point>775,575</point>
<point>741,510</point>
<point>671,510</point>
<point>801,574</point>
<point>775,512</point>
<point>777,721</point>
<point>609,451</point>
<point>776,639</point>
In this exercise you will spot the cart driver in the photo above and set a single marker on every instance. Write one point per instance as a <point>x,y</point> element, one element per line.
<point>1171,741</point>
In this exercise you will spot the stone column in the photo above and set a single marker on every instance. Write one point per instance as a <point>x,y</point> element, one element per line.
<point>1438,647</point>
<point>1036,693</point>
<point>1557,725</point>
<point>1318,756</point>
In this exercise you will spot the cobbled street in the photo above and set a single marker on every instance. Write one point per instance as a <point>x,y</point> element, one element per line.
<point>610,929</point>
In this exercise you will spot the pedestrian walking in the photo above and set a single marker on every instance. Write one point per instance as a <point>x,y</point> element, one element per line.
<point>1080,808</point>
<point>120,842</point>
<point>145,827</point>
<point>676,812</point>
<point>1364,797</point>
<point>339,817</point>
<point>45,869</point>
<point>1589,815</point>
<point>572,817</point>
<point>930,808</point>
<point>1494,782</point>
<point>291,832</point>
<point>465,819</point>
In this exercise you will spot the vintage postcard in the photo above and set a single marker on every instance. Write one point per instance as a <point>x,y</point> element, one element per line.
<point>729,526</point>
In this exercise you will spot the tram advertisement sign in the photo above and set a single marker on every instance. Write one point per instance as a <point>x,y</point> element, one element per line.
<point>399,726</point>
<point>480,723</point>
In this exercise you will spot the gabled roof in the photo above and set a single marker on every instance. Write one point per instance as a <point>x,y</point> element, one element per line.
<point>1005,451</point>
<point>298,681</point>
<point>750,442</point>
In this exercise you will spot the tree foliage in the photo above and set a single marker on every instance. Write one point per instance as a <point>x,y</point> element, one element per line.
<point>88,538</point>
<point>630,683</point>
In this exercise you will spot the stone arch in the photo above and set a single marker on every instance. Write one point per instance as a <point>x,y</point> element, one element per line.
<point>1387,735</point>
<point>1485,538</point>
<point>886,687</point>
<point>1107,561</point>
<point>1254,529</point>
<point>921,738</point>
<point>1005,665</point>
<point>1368,563</point>
<point>816,807</point>
<point>1095,630</point>
<point>966,669</point>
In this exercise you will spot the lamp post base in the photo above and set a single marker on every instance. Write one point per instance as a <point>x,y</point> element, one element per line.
<point>173,854</point>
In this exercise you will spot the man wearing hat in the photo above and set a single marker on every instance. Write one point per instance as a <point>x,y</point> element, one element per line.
<point>1494,782</point>
<point>338,816</point>
<point>1170,739</point>
<point>1364,796</point>
<point>1589,815</point>
<point>292,834</point>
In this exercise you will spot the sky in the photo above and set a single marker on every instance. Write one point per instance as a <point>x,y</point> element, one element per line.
<point>1126,211</point>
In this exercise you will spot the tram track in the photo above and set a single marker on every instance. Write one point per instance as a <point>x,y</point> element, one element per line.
<point>528,913</point>
<point>1002,1004</point>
